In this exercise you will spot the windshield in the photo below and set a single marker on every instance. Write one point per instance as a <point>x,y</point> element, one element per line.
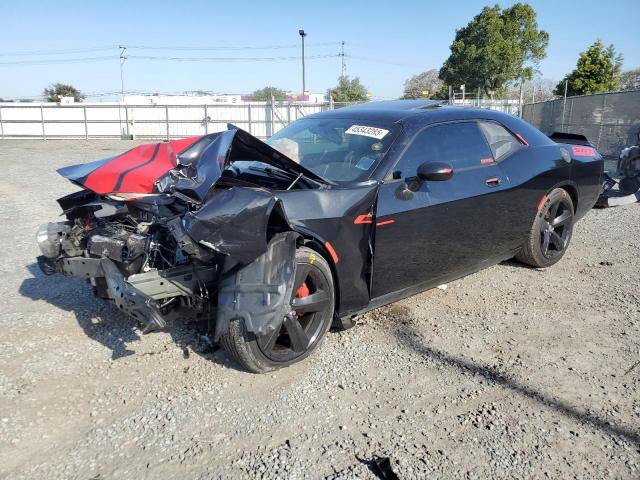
<point>340,150</point>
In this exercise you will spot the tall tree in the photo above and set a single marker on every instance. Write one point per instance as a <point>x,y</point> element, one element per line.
<point>349,90</point>
<point>496,47</point>
<point>424,85</point>
<point>597,70</point>
<point>56,91</point>
<point>630,80</point>
<point>265,94</point>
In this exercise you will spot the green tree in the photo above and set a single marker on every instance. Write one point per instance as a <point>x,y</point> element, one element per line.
<point>496,47</point>
<point>57,90</point>
<point>264,94</point>
<point>630,80</point>
<point>424,85</point>
<point>597,70</point>
<point>349,90</point>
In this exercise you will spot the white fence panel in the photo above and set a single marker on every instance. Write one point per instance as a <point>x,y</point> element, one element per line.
<point>104,120</point>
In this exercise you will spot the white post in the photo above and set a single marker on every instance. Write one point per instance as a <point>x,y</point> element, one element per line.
<point>564,103</point>
<point>42,120</point>
<point>521,100</point>
<point>86,129</point>
<point>166,119</point>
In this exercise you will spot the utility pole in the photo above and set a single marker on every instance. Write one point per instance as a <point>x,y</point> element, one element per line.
<point>123,58</point>
<point>302,35</point>
<point>344,67</point>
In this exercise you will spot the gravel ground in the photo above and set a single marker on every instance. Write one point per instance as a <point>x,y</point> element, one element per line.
<point>509,373</point>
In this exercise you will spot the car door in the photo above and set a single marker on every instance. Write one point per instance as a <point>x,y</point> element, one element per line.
<point>428,232</point>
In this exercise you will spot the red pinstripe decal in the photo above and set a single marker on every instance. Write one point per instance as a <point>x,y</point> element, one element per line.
<point>522,140</point>
<point>542,200</point>
<point>332,252</point>
<point>385,222</point>
<point>365,218</point>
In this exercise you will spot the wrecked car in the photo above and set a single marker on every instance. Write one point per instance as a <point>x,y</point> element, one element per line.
<point>338,213</point>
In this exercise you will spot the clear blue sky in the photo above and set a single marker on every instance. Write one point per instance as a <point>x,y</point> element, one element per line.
<point>414,35</point>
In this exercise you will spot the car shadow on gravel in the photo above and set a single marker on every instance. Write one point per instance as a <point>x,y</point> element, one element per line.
<point>411,338</point>
<point>99,320</point>
<point>104,323</point>
<point>516,264</point>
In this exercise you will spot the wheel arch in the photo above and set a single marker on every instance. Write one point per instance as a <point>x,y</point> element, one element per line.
<point>278,222</point>
<point>570,188</point>
<point>573,193</point>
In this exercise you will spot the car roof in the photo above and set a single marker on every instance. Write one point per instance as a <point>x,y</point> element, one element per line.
<point>420,111</point>
<point>417,113</point>
<point>389,110</point>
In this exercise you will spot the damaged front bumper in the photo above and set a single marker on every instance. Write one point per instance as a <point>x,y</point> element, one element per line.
<point>248,285</point>
<point>144,296</point>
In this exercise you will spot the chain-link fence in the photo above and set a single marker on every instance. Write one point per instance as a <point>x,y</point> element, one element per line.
<point>611,121</point>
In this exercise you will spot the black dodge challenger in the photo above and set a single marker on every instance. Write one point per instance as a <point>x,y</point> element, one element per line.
<point>336,214</point>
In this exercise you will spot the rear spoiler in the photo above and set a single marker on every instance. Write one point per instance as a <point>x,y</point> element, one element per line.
<point>570,138</point>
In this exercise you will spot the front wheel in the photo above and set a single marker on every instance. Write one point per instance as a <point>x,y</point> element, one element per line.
<point>302,330</point>
<point>551,231</point>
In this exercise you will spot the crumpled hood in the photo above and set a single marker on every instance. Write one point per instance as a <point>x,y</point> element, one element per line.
<point>191,165</point>
<point>134,171</point>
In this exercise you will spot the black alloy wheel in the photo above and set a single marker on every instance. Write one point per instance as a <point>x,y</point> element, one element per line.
<point>555,229</point>
<point>551,231</point>
<point>303,326</point>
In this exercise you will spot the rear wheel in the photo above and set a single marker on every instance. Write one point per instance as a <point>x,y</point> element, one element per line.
<point>551,231</point>
<point>302,330</point>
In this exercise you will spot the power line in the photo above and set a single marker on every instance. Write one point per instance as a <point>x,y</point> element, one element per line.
<point>25,53</point>
<point>230,48</point>
<point>60,61</point>
<point>166,58</point>
<point>231,59</point>
<point>57,52</point>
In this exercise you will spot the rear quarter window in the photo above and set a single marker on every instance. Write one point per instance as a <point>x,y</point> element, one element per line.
<point>500,140</point>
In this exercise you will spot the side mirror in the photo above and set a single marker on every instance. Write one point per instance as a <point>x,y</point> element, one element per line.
<point>435,171</point>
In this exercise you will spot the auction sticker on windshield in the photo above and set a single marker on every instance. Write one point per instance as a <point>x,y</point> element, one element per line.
<point>365,131</point>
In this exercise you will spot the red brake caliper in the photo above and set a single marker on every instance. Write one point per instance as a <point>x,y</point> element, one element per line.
<point>303,291</point>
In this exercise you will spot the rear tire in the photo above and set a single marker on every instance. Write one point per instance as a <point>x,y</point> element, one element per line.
<point>551,231</point>
<point>300,334</point>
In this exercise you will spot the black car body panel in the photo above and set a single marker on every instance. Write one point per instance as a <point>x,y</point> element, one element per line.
<point>384,238</point>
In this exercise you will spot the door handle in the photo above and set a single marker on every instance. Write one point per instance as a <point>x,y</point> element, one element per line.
<point>493,181</point>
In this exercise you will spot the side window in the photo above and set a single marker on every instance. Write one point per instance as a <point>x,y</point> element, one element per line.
<point>461,145</point>
<point>501,141</point>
